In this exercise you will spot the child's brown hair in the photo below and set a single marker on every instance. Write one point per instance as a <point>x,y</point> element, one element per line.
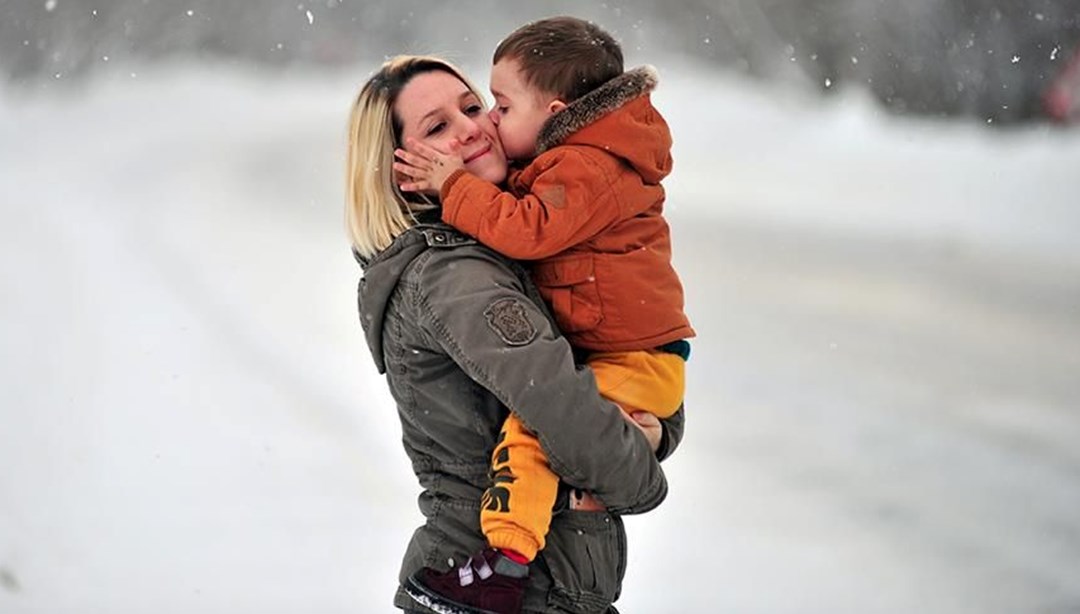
<point>564,56</point>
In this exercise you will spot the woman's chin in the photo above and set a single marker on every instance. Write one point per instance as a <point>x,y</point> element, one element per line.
<point>488,170</point>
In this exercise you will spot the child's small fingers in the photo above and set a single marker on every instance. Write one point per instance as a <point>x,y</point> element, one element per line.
<point>418,171</point>
<point>410,158</point>
<point>405,169</point>
<point>425,150</point>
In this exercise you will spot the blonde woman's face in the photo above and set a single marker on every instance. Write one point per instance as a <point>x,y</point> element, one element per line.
<point>436,108</point>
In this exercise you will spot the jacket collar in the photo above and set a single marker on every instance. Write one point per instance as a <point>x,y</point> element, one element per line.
<point>594,105</point>
<point>384,270</point>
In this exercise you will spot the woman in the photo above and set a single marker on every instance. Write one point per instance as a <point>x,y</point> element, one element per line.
<point>462,335</point>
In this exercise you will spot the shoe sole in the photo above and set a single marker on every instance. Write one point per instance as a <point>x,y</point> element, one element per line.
<point>437,603</point>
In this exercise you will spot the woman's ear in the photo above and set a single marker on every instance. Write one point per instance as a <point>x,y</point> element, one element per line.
<point>555,106</point>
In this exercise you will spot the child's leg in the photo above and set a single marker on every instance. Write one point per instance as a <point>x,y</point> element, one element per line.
<point>515,513</point>
<point>650,380</point>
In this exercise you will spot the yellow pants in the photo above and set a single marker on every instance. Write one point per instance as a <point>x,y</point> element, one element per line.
<point>515,513</point>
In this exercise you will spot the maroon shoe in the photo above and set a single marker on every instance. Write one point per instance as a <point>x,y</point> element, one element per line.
<point>488,583</point>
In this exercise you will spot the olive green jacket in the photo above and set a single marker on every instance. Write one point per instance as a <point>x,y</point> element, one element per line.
<point>461,334</point>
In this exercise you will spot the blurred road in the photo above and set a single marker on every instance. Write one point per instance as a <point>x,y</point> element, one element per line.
<point>875,426</point>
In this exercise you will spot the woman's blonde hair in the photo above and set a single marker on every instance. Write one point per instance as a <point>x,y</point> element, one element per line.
<point>376,210</point>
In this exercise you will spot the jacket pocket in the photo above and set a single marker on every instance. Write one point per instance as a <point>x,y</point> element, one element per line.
<point>585,554</point>
<point>568,284</point>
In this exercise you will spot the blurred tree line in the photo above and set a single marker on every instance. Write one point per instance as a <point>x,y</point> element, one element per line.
<point>986,58</point>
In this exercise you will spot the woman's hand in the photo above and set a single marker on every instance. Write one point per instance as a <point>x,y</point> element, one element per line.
<point>428,168</point>
<point>649,425</point>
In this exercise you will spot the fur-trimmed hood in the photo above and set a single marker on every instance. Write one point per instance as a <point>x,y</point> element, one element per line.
<point>618,117</point>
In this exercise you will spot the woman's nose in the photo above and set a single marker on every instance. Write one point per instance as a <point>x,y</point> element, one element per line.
<point>469,131</point>
<point>493,115</point>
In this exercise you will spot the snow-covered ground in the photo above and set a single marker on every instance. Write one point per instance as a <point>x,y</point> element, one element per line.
<point>884,400</point>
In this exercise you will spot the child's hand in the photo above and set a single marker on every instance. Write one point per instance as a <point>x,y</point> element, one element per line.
<point>427,168</point>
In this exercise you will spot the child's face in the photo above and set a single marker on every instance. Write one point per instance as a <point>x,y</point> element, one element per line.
<point>520,110</point>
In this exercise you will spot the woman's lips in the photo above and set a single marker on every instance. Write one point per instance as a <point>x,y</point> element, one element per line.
<point>478,154</point>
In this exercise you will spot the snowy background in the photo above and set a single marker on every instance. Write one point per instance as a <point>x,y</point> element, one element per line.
<point>884,400</point>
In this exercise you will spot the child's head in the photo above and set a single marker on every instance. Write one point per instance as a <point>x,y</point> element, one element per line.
<point>540,68</point>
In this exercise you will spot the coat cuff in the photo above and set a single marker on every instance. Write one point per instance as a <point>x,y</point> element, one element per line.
<point>673,428</point>
<point>461,207</point>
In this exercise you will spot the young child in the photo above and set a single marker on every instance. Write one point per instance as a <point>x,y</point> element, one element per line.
<point>586,210</point>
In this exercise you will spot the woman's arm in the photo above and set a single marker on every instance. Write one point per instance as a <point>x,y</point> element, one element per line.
<point>479,311</point>
<point>663,435</point>
<point>674,426</point>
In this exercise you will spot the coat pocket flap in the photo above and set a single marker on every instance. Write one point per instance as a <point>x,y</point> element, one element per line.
<point>566,271</point>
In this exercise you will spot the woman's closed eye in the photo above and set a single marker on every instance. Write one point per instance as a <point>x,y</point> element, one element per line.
<point>473,110</point>
<point>435,129</point>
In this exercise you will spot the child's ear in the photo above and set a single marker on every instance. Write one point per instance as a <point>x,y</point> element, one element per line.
<point>555,106</point>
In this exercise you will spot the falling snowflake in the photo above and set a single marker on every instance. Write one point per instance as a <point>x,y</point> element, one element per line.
<point>50,5</point>
<point>1053,54</point>
<point>1015,59</point>
<point>310,17</point>
<point>828,82</point>
<point>190,13</point>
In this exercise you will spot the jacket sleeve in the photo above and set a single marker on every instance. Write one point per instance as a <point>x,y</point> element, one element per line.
<point>571,199</point>
<point>477,309</point>
<point>674,427</point>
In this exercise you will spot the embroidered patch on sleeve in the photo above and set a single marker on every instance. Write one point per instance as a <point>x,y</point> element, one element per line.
<point>553,196</point>
<point>508,318</point>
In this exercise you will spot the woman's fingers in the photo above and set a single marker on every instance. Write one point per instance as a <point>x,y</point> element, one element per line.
<point>645,419</point>
<point>649,425</point>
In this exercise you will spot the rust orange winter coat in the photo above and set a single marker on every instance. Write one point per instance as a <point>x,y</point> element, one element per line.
<point>587,211</point>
